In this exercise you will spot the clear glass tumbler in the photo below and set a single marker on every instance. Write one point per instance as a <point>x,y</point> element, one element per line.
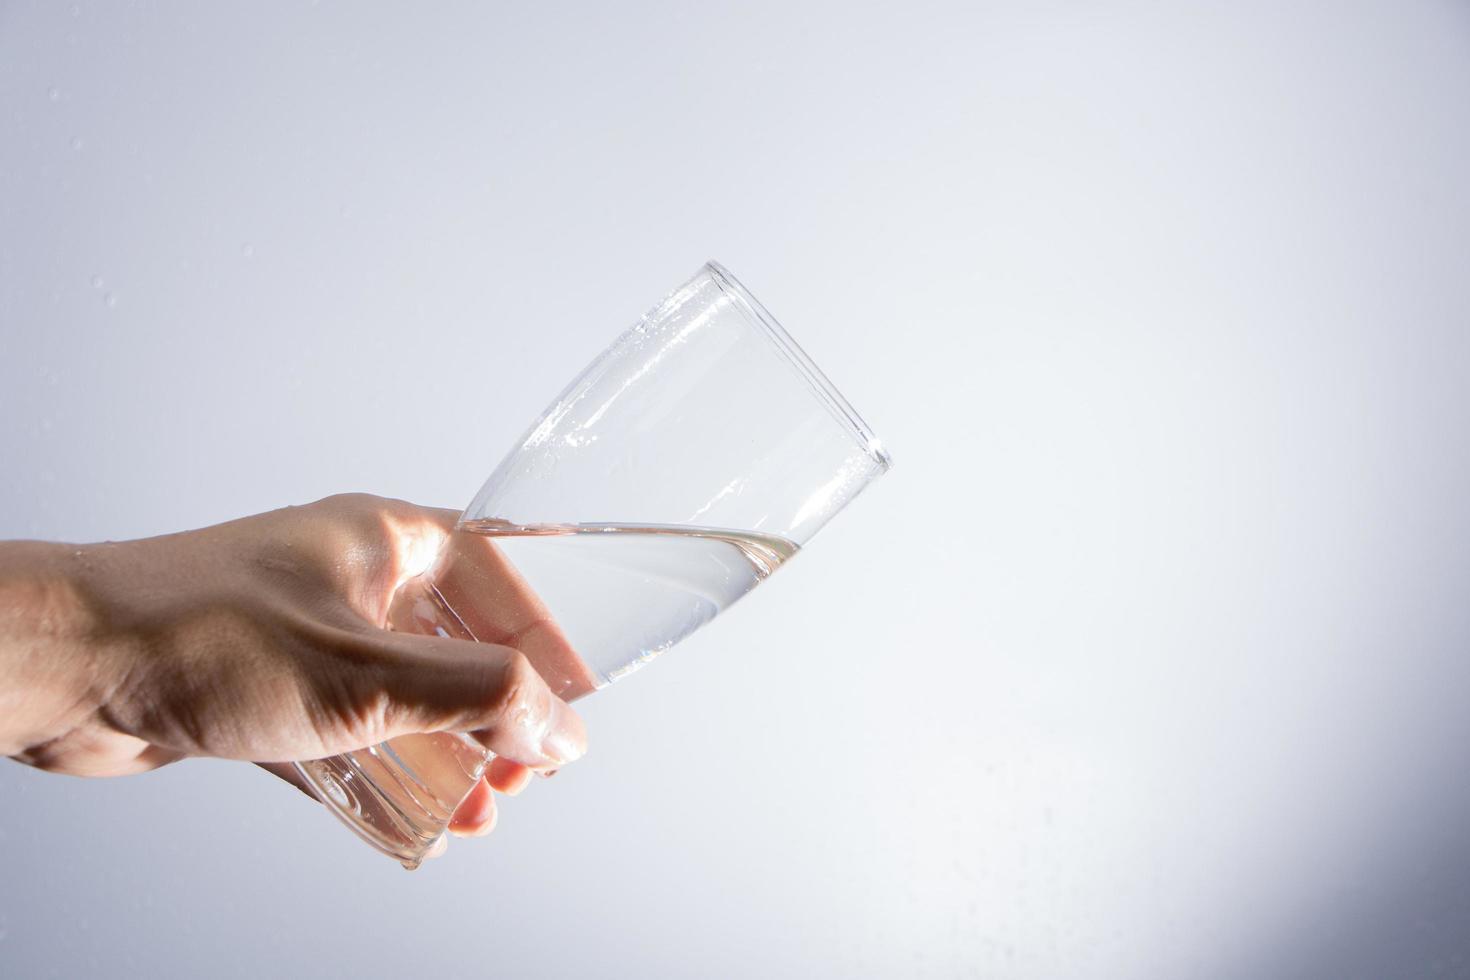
<point>680,469</point>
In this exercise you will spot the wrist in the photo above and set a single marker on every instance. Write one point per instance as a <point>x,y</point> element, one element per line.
<point>58,660</point>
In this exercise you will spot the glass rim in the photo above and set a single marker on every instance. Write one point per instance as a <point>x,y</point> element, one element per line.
<point>819,383</point>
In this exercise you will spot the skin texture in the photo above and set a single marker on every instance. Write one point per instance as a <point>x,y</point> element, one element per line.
<point>261,639</point>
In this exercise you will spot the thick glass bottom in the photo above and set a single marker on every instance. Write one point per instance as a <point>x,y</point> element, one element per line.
<point>399,795</point>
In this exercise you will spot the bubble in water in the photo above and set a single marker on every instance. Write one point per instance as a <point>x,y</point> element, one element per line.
<point>110,299</point>
<point>76,143</point>
<point>247,250</point>
<point>96,282</point>
<point>54,94</point>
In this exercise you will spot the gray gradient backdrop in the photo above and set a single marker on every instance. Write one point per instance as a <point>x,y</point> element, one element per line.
<point>1147,660</point>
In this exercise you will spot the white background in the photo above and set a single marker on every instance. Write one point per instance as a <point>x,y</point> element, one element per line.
<point>1147,659</point>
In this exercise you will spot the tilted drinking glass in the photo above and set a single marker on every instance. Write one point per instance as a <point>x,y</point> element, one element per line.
<point>680,469</point>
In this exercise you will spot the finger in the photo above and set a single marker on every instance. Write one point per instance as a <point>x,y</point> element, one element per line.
<point>435,684</point>
<point>475,816</point>
<point>505,776</point>
<point>496,604</point>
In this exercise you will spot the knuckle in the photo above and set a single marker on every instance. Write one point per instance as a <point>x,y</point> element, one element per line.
<point>349,501</point>
<point>516,699</point>
<point>361,515</point>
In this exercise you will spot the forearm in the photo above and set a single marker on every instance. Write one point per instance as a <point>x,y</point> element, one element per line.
<point>52,674</point>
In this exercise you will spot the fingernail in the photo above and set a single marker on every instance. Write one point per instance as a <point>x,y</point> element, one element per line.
<point>560,748</point>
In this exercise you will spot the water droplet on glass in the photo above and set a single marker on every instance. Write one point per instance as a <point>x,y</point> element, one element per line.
<point>247,250</point>
<point>76,10</point>
<point>96,282</point>
<point>334,789</point>
<point>110,299</point>
<point>76,143</point>
<point>54,94</point>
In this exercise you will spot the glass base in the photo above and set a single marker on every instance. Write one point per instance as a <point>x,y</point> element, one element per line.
<point>399,795</point>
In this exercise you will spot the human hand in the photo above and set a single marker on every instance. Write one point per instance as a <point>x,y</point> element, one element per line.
<point>260,639</point>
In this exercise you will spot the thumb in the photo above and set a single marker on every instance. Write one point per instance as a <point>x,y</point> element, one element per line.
<point>437,684</point>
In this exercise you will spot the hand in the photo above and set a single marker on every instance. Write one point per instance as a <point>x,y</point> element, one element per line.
<point>260,639</point>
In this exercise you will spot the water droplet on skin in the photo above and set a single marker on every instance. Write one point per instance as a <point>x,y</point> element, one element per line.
<point>96,282</point>
<point>110,299</point>
<point>247,250</point>
<point>54,94</point>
